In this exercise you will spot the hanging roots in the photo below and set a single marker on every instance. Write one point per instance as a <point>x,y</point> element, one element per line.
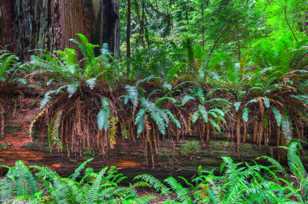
<point>2,119</point>
<point>71,126</point>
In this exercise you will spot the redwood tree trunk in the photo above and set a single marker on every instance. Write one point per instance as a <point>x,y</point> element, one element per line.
<point>6,25</point>
<point>49,24</point>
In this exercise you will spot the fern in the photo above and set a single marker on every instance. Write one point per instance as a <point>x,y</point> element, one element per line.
<point>182,193</point>
<point>80,168</point>
<point>139,121</point>
<point>93,194</point>
<point>103,115</point>
<point>8,63</point>
<point>172,118</point>
<point>151,182</point>
<point>297,167</point>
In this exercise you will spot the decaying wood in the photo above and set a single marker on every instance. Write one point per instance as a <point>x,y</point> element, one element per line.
<point>129,157</point>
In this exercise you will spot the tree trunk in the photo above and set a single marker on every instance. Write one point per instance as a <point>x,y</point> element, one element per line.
<point>71,17</point>
<point>107,29</point>
<point>128,35</point>
<point>6,24</point>
<point>49,24</point>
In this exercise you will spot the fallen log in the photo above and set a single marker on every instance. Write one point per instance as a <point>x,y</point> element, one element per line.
<point>129,158</point>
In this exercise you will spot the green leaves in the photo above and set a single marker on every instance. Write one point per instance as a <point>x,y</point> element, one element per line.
<point>200,113</point>
<point>160,116</point>
<point>203,113</point>
<point>139,121</point>
<point>266,101</point>
<point>172,118</point>
<point>213,116</point>
<point>132,95</point>
<point>302,98</point>
<point>245,115</point>
<point>277,115</point>
<point>186,99</point>
<point>195,117</point>
<point>72,89</point>
<point>9,65</point>
<point>103,115</point>
<point>86,48</point>
<point>25,182</point>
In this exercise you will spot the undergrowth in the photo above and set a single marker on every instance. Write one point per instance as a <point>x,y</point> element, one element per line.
<point>235,183</point>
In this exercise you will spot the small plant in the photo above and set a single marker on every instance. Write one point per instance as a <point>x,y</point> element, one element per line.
<point>151,113</point>
<point>209,110</point>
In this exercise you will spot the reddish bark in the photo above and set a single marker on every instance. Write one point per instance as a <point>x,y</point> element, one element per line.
<point>69,17</point>
<point>49,24</point>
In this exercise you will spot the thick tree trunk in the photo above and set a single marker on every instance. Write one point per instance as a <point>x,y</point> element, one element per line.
<point>49,24</point>
<point>6,25</point>
<point>72,19</point>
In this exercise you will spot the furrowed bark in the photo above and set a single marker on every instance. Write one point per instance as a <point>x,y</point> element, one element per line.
<point>6,24</point>
<point>49,24</point>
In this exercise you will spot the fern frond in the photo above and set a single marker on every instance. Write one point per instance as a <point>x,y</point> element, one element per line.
<point>103,115</point>
<point>80,168</point>
<point>153,182</point>
<point>182,193</point>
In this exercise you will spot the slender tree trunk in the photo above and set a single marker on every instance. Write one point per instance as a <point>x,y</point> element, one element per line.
<point>140,18</point>
<point>202,6</point>
<point>128,35</point>
<point>108,23</point>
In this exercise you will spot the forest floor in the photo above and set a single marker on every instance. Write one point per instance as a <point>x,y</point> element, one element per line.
<point>13,146</point>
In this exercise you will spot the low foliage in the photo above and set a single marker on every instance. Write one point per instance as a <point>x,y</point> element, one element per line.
<point>236,183</point>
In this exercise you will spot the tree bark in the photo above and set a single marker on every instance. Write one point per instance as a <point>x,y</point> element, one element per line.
<point>128,35</point>
<point>49,24</point>
<point>6,24</point>
<point>107,24</point>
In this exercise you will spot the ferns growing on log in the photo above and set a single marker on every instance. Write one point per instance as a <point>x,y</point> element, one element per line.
<point>78,113</point>
<point>84,110</point>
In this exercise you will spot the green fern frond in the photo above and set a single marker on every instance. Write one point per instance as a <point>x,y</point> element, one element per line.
<point>153,182</point>
<point>139,121</point>
<point>80,168</point>
<point>182,193</point>
<point>173,119</point>
<point>103,115</point>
